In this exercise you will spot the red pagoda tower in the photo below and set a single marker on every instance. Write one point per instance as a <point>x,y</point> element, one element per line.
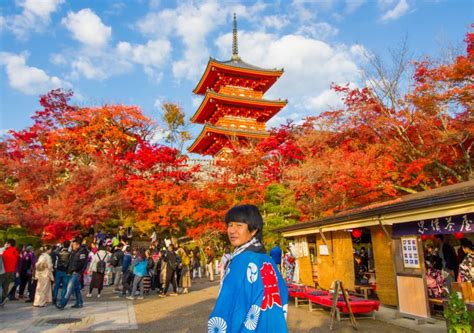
<point>233,110</point>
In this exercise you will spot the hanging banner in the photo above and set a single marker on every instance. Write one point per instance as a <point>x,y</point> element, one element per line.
<point>444,225</point>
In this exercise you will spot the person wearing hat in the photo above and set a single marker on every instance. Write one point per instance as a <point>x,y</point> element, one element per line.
<point>253,295</point>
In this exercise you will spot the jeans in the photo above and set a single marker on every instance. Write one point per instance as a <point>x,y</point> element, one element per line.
<point>74,285</point>
<point>118,276</point>
<point>125,283</point>
<point>137,280</point>
<point>60,279</point>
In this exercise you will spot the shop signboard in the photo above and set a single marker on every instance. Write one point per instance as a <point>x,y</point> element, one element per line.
<point>410,252</point>
<point>463,223</point>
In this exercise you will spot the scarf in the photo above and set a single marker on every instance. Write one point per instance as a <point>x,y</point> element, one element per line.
<point>253,245</point>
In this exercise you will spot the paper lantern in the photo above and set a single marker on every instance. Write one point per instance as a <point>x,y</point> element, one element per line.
<point>458,235</point>
<point>424,238</point>
<point>356,233</point>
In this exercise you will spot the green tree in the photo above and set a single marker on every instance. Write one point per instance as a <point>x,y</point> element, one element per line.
<point>279,210</point>
<point>176,125</point>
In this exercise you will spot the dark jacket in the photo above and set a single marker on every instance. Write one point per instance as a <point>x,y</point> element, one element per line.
<point>171,260</point>
<point>119,255</point>
<point>78,262</point>
<point>450,258</point>
<point>62,260</point>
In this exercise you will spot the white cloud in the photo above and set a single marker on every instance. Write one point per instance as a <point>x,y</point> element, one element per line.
<point>58,59</point>
<point>386,4</point>
<point>35,15</point>
<point>311,66</point>
<point>321,30</point>
<point>87,28</point>
<point>29,80</point>
<point>152,54</point>
<point>275,21</point>
<point>84,67</point>
<point>399,10</point>
<point>192,23</point>
<point>353,5</point>
<point>326,100</point>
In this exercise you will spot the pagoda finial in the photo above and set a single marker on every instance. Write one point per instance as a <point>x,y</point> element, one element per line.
<point>235,44</point>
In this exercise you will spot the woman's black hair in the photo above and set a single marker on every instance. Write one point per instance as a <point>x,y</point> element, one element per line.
<point>248,214</point>
<point>466,243</point>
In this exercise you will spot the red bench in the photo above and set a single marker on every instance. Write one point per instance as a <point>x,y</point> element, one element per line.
<point>358,305</point>
<point>298,292</point>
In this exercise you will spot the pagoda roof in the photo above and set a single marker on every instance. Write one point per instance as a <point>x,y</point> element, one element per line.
<point>212,138</point>
<point>237,67</point>
<point>206,109</point>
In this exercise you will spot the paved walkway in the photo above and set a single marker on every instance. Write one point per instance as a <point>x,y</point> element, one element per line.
<point>180,314</point>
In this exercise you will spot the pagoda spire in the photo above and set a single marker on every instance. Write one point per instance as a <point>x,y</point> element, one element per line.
<point>235,43</point>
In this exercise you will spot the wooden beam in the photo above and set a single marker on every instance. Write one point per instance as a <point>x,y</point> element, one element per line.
<point>326,242</point>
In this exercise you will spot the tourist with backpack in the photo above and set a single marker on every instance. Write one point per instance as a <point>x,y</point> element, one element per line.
<point>61,262</point>
<point>117,261</point>
<point>97,268</point>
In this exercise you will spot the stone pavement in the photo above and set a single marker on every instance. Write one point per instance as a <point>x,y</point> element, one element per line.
<point>96,316</point>
<point>180,314</point>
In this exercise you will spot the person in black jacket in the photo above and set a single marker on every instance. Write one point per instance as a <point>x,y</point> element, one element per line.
<point>77,265</point>
<point>117,262</point>
<point>449,260</point>
<point>61,263</point>
<point>171,266</point>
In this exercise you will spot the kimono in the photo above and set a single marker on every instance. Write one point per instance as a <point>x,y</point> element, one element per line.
<point>289,267</point>
<point>44,275</point>
<point>466,269</point>
<point>435,283</point>
<point>253,297</point>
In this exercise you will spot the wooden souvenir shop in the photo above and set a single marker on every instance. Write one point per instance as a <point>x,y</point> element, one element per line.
<point>394,234</point>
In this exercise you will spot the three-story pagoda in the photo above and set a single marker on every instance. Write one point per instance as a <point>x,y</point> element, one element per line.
<point>233,110</point>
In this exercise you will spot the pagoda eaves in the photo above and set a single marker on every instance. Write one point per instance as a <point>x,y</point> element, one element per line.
<point>221,73</point>
<point>215,106</point>
<point>213,139</point>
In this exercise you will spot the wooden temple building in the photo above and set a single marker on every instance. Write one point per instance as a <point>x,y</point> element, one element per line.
<point>233,110</point>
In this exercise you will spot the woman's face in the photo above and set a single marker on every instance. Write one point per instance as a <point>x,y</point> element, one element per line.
<point>239,233</point>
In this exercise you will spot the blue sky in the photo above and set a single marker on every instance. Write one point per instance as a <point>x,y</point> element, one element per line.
<point>143,53</point>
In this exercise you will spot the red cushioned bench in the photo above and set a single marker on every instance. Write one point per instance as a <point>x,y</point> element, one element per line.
<point>298,292</point>
<point>358,305</point>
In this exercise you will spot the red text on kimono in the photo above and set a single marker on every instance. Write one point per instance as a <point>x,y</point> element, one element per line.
<point>271,293</point>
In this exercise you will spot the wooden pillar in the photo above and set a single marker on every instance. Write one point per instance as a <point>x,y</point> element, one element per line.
<point>384,268</point>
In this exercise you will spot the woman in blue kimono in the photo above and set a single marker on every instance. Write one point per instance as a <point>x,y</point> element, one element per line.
<point>253,296</point>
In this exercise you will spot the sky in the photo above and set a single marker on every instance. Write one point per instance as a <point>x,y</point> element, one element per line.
<point>144,53</point>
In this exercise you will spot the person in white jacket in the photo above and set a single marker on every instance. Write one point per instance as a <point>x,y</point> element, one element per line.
<point>98,268</point>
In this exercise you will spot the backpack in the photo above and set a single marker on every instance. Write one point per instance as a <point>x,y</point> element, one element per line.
<point>114,260</point>
<point>62,260</point>
<point>101,265</point>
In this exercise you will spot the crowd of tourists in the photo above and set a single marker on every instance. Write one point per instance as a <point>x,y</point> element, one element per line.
<point>56,274</point>
<point>444,265</point>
